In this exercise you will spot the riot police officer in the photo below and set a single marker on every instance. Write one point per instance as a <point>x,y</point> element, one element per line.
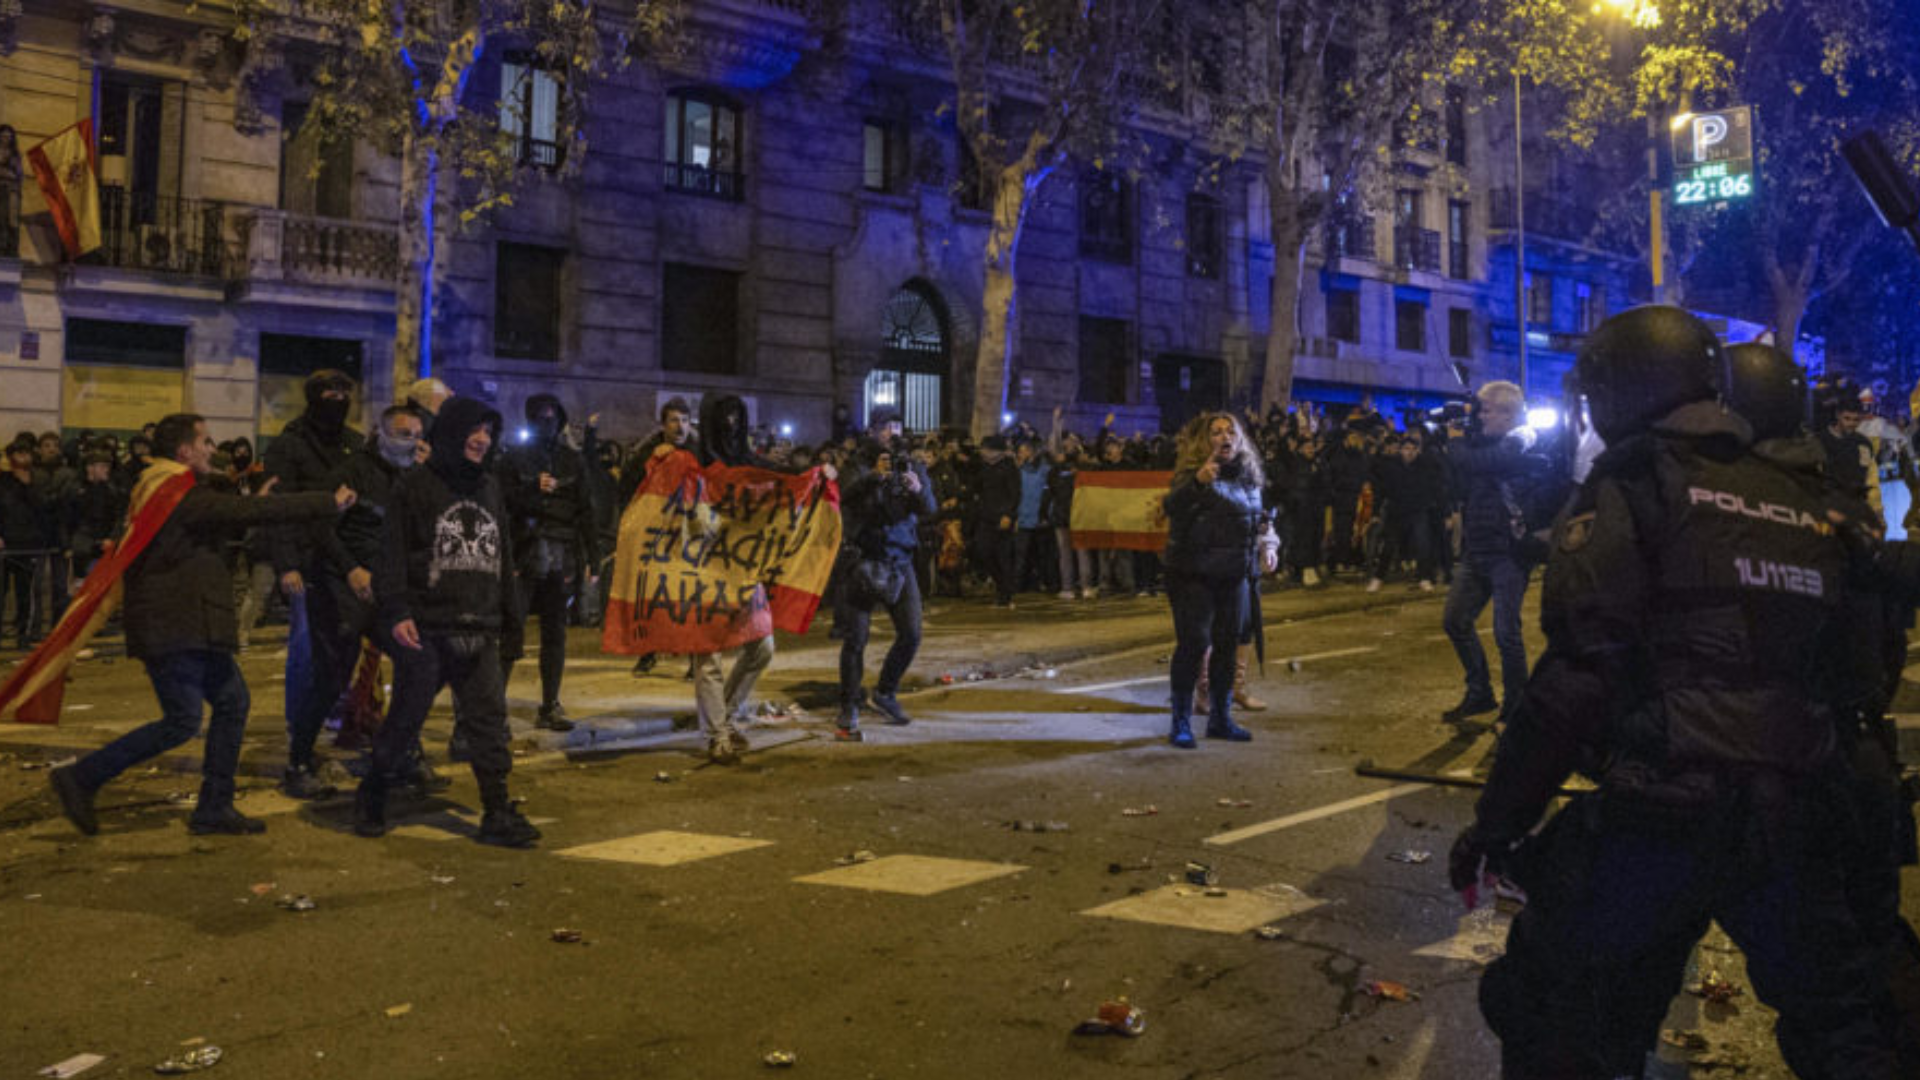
<point>1683,605</point>
<point>1861,670</point>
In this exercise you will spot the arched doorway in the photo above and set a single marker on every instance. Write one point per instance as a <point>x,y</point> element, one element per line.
<point>913,369</point>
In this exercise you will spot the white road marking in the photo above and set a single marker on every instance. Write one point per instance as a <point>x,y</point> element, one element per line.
<point>1310,657</point>
<point>1304,816</point>
<point>1150,679</point>
<point>912,875</point>
<point>1229,911</point>
<point>1097,687</point>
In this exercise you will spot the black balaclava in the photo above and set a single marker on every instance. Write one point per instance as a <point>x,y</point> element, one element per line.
<point>723,431</point>
<point>457,419</point>
<point>328,417</point>
<point>546,416</point>
<point>242,455</point>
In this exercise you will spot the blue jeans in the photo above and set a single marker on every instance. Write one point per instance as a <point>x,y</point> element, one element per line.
<point>856,620</point>
<point>184,682</point>
<point>299,657</point>
<point>1478,579</point>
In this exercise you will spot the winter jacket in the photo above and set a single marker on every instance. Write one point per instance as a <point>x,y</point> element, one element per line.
<point>446,553</point>
<point>303,458</point>
<point>884,517</point>
<point>1033,488</point>
<point>179,592</point>
<point>1409,490</point>
<point>1056,508</point>
<point>1214,529</point>
<point>24,515</point>
<point>354,541</point>
<point>564,515</point>
<point>98,513</point>
<point>1490,475</point>
<point>999,492</point>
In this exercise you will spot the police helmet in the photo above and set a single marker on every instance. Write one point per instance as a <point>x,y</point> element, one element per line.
<point>1644,363</point>
<point>1769,390</point>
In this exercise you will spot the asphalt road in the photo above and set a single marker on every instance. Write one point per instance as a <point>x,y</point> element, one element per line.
<point>725,913</point>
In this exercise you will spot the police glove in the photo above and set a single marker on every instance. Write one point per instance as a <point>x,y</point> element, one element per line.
<point>1475,862</point>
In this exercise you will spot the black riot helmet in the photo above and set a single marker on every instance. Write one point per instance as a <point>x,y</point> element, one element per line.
<point>1644,363</point>
<point>1768,390</point>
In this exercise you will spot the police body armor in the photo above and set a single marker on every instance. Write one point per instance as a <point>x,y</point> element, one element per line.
<point>1745,573</point>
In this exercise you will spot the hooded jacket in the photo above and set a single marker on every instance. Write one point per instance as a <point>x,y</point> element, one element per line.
<point>564,515</point>
<point>723,434</point>
<point>446,555</point>
<point>304,457</point>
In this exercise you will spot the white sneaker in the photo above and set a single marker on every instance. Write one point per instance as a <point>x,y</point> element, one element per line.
<point>1092,594</point>
<point>1373,585</point>
<point>1066,594</point>
<point>1426,586</point>
<point>1310,576</point>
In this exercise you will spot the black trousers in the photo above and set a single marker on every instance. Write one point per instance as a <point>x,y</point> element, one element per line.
<point>547,593</point>
<point>996,546</point>
<point>1208,613</point>
<point>16,577</point>
<point>470,665</point>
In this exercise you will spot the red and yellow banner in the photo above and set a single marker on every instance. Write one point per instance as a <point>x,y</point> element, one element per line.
<point>711,558</point>
<point>33,693</point>
<point>69,178</point>
<point>1121,509</point>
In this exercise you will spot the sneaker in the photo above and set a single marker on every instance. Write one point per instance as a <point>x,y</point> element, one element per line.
<point>1426,586</point>
<point>1227,729</point>
<point>225,821</point>
<point>507,828</point>
<point>1066,594</point>
<point>1373,584</point>
<point>553,718</point>
<point>1310,577</point>
<point>890,705</point>
<point>644,665</point>
<point>1471,705</point>
<point>301,782</point>
<point>721,750</point>
<point>846,728</point>
<point>1091,594</point>
<point>76,799</point>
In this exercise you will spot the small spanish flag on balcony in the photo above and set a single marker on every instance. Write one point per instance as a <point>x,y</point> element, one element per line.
<point>70,180</point>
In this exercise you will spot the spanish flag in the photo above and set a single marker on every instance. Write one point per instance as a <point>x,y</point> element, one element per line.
<point>1120,509</point>
<point>711,558</point>
<point>70,179</point>
<point>32,694</point>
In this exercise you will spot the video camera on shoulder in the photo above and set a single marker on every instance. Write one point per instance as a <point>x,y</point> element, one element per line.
<point>1460,415</point>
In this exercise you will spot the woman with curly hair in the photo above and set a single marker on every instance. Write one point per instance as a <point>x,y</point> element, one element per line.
<point>1219,540</point>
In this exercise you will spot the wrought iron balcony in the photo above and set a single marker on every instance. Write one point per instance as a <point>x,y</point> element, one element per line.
<point>1350,238</point>
<point>1416,249</point>
<point>144,231</point>
<point>701,180</point>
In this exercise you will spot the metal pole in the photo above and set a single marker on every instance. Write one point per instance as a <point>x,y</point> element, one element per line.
<point>1519,231</point>
<point>1656,226</point>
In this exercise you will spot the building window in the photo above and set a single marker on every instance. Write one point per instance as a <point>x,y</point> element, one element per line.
<point>1458,254</point>
<point>526,301</point>
<point>1540,299</point>
<point>884,157</point>
<point>1203,236</point>
<point>700,320</point>
<point>1106,356</point>
<point>704,147</point>
<point>1590,306</point>
<point>1456,125</point>
<point>1106,217</point>
<point>530,110</point>
<point>1460,333</point>
<point>1343,315</point>
<point>1409,326</point>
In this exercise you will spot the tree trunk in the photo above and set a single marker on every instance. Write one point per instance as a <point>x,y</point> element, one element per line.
<point>413,303</point>
<point>1789,305</point>
<point>999,316</point>
<point>1283,321</point>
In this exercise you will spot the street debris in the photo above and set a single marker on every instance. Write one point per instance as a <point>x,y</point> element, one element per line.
<point>776,713</point>
<point>568,936</point>
<point>780,1059</point>
<point>1691,1041</point>
<point>663,778</point>
<point>441,879</point>
<point>1140,811</point>
<point>1117,1017</point>
<point>395,1012</point>
<point>1233,804</point>
<point>73,1066</point>
<point>1270,933</point>
<point>1143,863</point>
<point>1412,856</point>
<point>302,902</point>
<point>1716,988</point>
<point>1390,991</point>
<point>262,888</point>
<point>1038,826</point>
<point>206,1057</point>
<point>1202,874</point>
<point>1293,666</point>
<point>854,857</point>
<point>1215,891</point>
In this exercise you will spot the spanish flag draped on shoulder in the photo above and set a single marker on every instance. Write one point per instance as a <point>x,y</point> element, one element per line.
<point>32,694</point>
<point>69,178</point>
<point>1120,509</point>
<point>712,557</point>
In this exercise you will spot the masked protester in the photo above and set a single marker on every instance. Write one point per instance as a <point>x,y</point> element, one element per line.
<point>443,587</point>
<point>308,453</point>
<point>1683,631</point>
<point>676,433</point>
<point>180,624</point>
<point>552,506</point>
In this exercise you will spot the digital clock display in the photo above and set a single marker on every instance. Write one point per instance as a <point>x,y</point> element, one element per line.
<point>1721,181</point>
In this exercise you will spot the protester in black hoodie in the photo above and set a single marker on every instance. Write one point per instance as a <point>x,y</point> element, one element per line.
<point>444,586</point>
<point>304,457</point>
<point>548,495</point>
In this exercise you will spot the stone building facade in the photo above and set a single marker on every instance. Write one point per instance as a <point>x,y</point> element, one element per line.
<point>751,220</point>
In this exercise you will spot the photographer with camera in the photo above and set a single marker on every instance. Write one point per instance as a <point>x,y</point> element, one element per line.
<point>883,508</point>
<point>1494,466</point>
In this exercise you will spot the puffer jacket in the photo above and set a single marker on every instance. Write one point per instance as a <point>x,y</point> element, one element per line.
<point>1214,530</point>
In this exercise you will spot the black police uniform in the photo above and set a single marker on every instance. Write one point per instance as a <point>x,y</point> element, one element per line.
<point>1683,606</point>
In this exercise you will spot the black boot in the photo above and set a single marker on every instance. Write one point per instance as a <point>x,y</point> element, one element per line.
<point>1220,723</point>
<point>1182,733</point>
<point>370,807</point>
<point>1471,705</point>
<point>76,799</point>
<point>506,827</point>
<point>553,718</point>
<point>302,782</point>
<point>223,820</point>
